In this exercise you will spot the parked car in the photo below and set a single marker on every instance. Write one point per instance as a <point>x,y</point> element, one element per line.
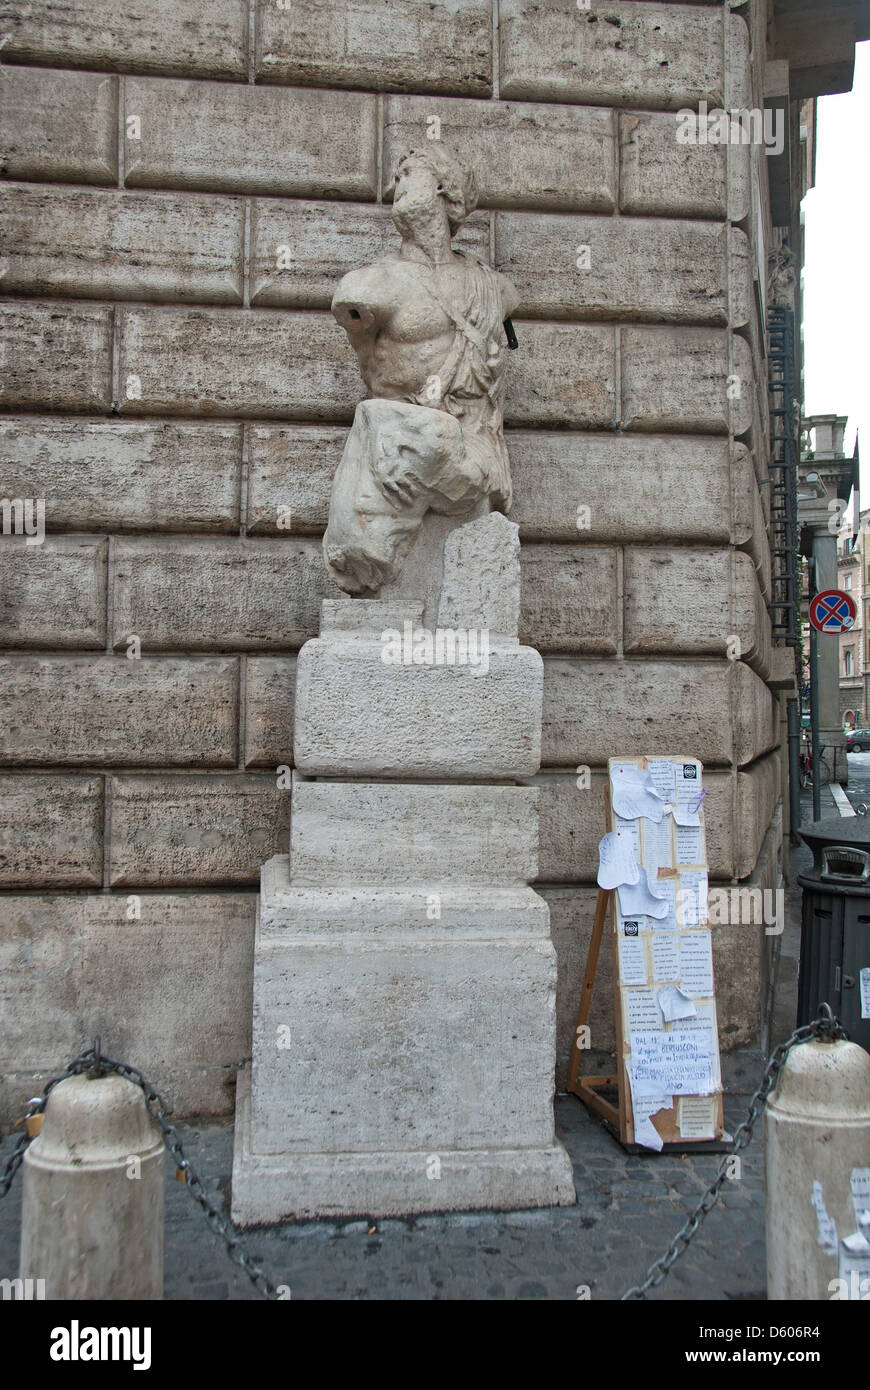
<point>858,741</point>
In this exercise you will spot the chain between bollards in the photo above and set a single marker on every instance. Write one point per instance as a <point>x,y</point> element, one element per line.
<point>96,1065</point>
<point>826,1028</point>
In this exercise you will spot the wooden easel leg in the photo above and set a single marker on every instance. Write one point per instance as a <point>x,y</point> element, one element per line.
<point>588,981</point>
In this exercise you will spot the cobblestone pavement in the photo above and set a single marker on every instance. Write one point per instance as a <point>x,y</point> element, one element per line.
<point>628,1209</point>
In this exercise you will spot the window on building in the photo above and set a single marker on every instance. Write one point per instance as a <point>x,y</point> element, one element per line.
<point>847,581</point>
<point>847,661</point>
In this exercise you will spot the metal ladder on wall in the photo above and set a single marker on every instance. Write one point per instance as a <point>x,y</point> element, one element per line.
<point>786,597</point>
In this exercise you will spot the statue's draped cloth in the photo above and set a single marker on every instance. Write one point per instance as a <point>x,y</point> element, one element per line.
<point>440,448</point>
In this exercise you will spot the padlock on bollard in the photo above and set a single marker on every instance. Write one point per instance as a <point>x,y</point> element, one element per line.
<point>817,1138</point>
<point>93,1194</point>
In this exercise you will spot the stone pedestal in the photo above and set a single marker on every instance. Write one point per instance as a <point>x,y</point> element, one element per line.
<point>404,980</point>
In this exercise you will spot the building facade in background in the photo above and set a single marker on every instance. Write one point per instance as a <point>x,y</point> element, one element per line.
<point>182,191</point>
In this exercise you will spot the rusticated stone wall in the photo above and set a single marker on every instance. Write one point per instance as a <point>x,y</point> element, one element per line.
<point>183,186</point>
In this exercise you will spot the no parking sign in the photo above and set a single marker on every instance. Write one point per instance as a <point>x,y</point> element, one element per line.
<point>832,611</point>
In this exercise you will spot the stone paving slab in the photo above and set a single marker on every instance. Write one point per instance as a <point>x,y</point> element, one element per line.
<point>628,1209</point>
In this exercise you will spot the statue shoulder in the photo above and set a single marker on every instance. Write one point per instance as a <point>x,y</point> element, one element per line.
<point>504,288</point>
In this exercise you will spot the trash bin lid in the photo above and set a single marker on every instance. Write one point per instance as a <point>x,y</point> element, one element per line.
<point>837,830</point>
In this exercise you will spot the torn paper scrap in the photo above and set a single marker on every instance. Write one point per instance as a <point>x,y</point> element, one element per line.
<point>696,964</point>
<point>857,1244</point>
<point>865,991</point>
<point>827,1233</point>
<point>642,1109</point>
<point>616,862</point>
<point>696,1117</point>
<point>674,1004</point>
<point>634,793</point>
<point>632,960</point>
<point>683,816</point>
<point>641,1010</point>
<point>637,899</point>
<point>628,830</point>
<point>678,1063</point>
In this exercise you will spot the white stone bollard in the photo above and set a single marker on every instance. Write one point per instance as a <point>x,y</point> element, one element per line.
<point>817,1136</point>
<point>92,1212</point>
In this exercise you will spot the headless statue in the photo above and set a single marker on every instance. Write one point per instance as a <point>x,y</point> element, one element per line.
<point>426,325</point>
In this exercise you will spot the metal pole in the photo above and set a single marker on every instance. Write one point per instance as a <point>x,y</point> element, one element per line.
<point>814,702</point>
<point>794,771</point>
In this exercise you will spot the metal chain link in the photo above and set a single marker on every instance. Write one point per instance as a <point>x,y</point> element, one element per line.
<point>825,1027</point>
<point>96,1066</point>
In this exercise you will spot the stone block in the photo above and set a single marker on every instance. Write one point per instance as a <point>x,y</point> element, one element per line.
<point>302,249</point>
<point>168,991</point>
<point>471,713</point>
<point>759,789</point>
<point>660,177</point>
<point>572,823</point>
<point>749,523</point>
<point>680,379</point>
<point>56,355</point>
<point>720,711</point>
<point>80,711</point>
<point>569,598</point>
<point>559,158</point>
<point>290,473</point>
<point>228,137</point>
<point>640,54</point>
<point>86,243</point>
<point>481,583</point>
<point>162,37</point>
<point>403,987</point>
<point>639,268</point>
<point>371,833</point>
<point>58,126</point>
<point>270,697</point>
<point>181,830</point>
<point>223,362</point>
<point>675,601</point>
<point>563,375</point>
<point>633,488</point>
<point>51,831</point>
<point>113,475</point>
<point>203,595</point>
<point>412,47</point>
<point>53,594</point>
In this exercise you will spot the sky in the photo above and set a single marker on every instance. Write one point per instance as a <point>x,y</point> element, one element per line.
<point>837,269</point>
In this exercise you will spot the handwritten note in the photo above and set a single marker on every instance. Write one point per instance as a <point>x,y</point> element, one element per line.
<point>678,1063</point>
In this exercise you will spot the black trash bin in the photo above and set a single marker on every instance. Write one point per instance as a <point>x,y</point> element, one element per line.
<point>835,924</point>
